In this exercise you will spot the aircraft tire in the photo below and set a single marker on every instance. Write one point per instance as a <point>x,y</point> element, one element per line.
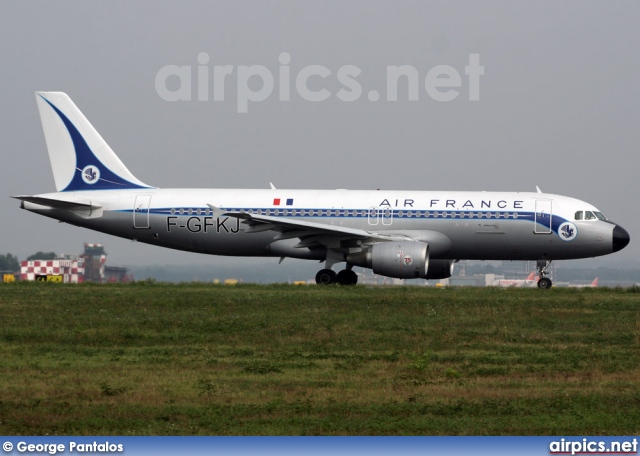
<point>347,277</point>
<point>326,277</point>
<point>544,283</point>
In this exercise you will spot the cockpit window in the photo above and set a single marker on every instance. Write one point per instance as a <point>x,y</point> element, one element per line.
<point>589,215</point>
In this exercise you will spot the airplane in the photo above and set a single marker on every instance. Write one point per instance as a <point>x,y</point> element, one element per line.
<point>593,284</point>
<point>529,281</point>
<point>401,234</point>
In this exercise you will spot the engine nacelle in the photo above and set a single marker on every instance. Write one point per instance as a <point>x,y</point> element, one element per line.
<point>440,269</point>
<point>401,260</point>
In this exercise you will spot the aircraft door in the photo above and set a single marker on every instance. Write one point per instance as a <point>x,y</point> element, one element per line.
<point>543,217</point>
<point>377,214</point>
<point>141,211</point>
<point>387,216</point>
<point>373,215</point>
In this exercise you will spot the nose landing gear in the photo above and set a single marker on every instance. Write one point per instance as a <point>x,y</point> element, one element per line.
<point>544,281</point>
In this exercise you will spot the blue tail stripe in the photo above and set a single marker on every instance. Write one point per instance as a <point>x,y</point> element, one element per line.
<point>106,179</point>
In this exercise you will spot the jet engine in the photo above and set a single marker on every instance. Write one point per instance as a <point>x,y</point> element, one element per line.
<point>401,260</point>
<point>440,269</point>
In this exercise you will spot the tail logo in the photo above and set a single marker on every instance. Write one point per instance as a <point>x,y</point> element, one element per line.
<point>90,174</point>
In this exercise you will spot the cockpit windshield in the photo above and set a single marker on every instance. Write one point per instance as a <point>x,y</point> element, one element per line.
<point>589,215</point>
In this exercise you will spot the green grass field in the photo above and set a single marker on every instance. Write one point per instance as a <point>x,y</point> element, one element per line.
<point>195,359</point>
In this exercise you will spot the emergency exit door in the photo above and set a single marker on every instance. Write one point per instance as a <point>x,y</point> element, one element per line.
<point>141,211</point>
<point>543,217</point>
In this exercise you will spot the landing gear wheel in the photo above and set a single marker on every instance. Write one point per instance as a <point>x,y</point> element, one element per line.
<point>544,283</point>
<point>325,277</point>
<point>347,277</point>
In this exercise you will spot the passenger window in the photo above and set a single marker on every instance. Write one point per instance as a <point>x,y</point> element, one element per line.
<point>588,215</point>
<point>579,215</point>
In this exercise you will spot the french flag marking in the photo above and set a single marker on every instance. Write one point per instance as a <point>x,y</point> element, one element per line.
<point>277,201</point>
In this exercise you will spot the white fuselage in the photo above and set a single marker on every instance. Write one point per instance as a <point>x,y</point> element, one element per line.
<point>457,225</point>
<point>402,234</point>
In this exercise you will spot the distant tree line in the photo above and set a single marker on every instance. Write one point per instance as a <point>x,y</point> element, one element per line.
<point>10,262</point>
<point>42,256</point>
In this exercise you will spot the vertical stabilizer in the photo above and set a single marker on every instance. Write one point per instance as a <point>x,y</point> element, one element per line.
<point>80,158</point>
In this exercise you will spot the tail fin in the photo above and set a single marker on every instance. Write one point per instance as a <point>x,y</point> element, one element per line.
<point>80,158</point>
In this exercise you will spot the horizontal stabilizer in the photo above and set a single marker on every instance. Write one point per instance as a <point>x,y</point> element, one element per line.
<point>55,203</point>
<point>81,208</point>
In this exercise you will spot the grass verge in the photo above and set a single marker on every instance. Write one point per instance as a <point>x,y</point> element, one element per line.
<point>198,359</point>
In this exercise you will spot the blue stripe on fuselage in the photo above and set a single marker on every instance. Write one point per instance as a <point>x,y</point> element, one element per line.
<point>364,214</point>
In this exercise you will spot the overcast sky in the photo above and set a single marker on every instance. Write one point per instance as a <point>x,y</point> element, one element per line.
<point>558,102</point>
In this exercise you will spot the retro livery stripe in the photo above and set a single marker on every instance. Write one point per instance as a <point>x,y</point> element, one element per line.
<point>401,214</point>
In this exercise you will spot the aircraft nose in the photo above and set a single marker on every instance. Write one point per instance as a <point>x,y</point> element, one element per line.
<point>620,238</point>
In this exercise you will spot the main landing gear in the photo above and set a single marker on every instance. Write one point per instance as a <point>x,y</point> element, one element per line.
<point>344,277</point>
<point>544,281</point>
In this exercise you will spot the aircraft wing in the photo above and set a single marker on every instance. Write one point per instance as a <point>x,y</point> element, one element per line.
<point>310,233</point>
